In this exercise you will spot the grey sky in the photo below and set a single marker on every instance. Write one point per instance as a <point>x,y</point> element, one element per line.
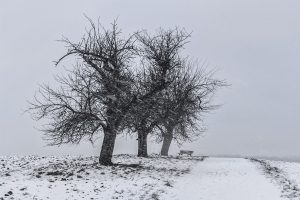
<point>255,46</point>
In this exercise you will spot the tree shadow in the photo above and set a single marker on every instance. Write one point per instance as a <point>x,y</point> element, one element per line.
<point>131,165</point>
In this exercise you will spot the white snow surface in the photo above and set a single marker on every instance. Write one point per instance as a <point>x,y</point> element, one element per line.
<point>224,179</point>
<point>158,178</point>
<point>59,178</point>
<point>291,170</point>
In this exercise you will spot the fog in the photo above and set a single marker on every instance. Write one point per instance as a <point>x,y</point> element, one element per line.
<point>254,45</point>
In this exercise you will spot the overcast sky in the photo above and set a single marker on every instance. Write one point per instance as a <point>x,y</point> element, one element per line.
<point>254,45</point>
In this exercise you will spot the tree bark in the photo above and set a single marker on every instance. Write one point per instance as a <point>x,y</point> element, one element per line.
<point>107,147</point>
<point>142,144</point>
<point>166,145</point>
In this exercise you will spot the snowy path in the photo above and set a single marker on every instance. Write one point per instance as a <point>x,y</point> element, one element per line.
<point>226,179</point>
<point>280,173</point>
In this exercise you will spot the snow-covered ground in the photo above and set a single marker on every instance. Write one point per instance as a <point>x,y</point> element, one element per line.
<point>158,178</point>
<point>224,179</point>
<point>291,169</point>
<point>285,174</point>
<point>33,177</point>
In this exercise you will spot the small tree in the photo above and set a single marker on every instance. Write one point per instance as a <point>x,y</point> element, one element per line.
<point>158,51</point>
<point>184,103</point>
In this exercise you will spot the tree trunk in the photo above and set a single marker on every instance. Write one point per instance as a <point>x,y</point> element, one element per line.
<point>166,145</point>
<point>142,144</point>
<point>107,147</point>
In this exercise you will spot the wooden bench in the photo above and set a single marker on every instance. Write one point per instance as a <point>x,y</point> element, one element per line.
<point>189,153</point>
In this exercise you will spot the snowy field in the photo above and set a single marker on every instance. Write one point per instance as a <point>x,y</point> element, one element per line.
<point>34,177</point>
<point>224,179</point>
<point>158,178</point>
<point>291,170</point>
<point>285,174</point>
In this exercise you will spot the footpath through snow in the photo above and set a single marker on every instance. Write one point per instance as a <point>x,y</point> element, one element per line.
<point>226,179</point>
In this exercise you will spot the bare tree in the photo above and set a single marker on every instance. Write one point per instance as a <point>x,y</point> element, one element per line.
<point>144,120</point>
<point>159,51</point>
<point>184,103</point>
<point>98,94</point>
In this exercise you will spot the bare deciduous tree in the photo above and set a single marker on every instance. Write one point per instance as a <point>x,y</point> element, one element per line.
<point>184,103</point>
<point>99,93</point>
<point>96,96</point>
<point>159,51</point>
